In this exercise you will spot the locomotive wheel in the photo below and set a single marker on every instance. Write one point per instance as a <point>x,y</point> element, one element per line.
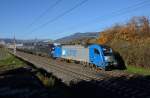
<point>77,62</point>
<point>84,64</point>
<point>91,66</point>
<point>67,60</point>
<point>107,68</point>
<point>94,66</point>
<point>61,60</point>
<point>98,69</point>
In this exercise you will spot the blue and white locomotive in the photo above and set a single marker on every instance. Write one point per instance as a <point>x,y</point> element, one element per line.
<point>98,55</point>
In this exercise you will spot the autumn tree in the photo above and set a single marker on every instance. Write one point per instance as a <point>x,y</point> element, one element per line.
<point>145,28</point>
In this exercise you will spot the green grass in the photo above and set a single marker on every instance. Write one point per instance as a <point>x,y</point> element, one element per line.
<point>3,53</point>
<point>10,62</point>
<point>138,70</point>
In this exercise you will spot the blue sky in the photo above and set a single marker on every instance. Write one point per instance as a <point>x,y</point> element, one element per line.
<point>94,15</point>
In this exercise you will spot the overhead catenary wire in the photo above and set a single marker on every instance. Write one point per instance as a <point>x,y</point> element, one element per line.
<point>60,16</point>
<point>50,8</point>
<point>113,14</point>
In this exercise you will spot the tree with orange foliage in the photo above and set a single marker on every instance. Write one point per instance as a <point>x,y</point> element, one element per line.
<point>145,28</point>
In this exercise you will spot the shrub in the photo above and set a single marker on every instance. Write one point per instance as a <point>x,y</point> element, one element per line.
<point>48,81</point>
<point>131,41</point>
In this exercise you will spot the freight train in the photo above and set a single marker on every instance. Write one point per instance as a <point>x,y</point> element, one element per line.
<point>98,55</point>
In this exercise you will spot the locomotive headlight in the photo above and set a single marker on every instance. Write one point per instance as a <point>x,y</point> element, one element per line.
<point>115,63</point>
<point>108,58</point>
<point>111,60</point>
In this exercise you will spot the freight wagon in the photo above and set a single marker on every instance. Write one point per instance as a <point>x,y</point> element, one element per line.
<point>98,55</point>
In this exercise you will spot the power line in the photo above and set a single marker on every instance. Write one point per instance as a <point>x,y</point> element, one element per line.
<point>59,16</point>
<point>114,13</point>
<point>47,10</point>
<point>118,12</point>
<point>14,47</point>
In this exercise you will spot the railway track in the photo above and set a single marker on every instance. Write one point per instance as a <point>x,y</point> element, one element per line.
<point>81,68</point>
<point>56,68</point>
<point>70,67</point>
<point>123,84</point>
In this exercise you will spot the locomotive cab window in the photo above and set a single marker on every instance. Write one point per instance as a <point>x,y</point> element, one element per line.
<point>96,51</point>
<point>107,51</point>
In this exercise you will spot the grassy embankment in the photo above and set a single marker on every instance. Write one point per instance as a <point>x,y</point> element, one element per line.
<point>138,70</point>
<point>10,62</point>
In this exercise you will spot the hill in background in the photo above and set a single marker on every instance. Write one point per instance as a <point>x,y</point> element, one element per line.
<point>78,38</point>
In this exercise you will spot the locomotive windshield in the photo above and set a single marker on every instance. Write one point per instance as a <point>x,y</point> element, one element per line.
<point>96,51</point>
<point>107,51</point>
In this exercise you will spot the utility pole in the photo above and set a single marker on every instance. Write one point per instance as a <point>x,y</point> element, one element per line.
<point>14,45</point>
<point>35,45</point>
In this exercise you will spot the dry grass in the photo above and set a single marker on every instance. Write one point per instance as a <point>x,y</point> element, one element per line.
<point>47,81</point>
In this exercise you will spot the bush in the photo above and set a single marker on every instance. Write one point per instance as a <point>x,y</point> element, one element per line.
<point>131,41</point>
<point>132,53</point>
<point>48,81</point>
